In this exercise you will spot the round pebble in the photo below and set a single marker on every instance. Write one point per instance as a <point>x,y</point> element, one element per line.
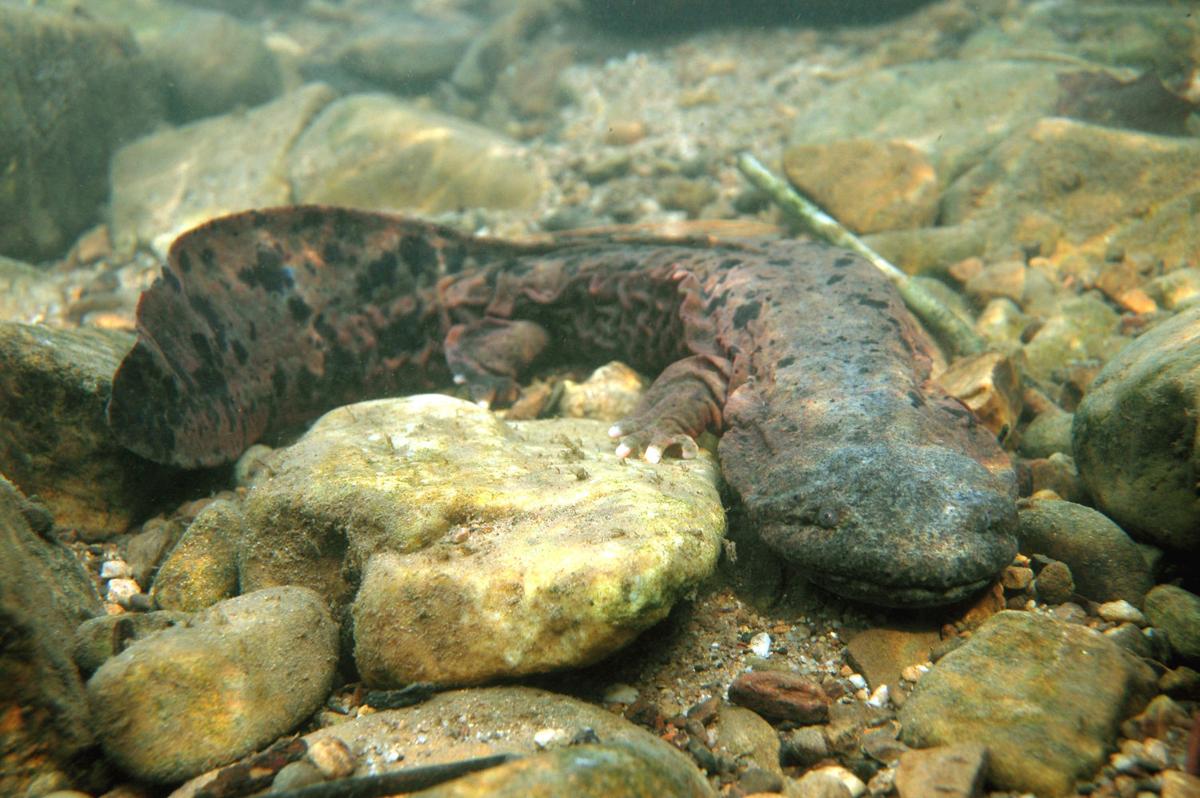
<point>1054,583</point>
<point>760,644</point>
<point>332,757</point>
<point>620,693</point>
<point>1121,611</point>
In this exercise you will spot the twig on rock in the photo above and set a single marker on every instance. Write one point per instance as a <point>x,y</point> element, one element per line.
<point>804,212</point>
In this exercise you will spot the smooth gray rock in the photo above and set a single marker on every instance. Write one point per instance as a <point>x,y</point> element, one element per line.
<point>204,693</point>
<point>1134,435</point>
<point>1106,564</point>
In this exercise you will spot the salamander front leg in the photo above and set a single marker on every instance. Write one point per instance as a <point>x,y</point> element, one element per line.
<point>685,400</point>
<point>488,355</point>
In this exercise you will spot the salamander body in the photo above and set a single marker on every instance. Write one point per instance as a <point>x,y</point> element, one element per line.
<point>849,460</point>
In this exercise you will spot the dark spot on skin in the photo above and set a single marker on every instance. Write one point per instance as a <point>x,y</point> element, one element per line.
<point>298,308</point>
<point>717,302</point>
<point>208,374</point>
<point>779,262</point>
<point>204,308</point>
<point>279,381</point>
<point>268,272</point>
<point>418,254</point>
<point>916,399</point>
<point>253,331</point>
<point>786,361</point>
<point>729,263</point>
<point>746,313</point>
<point>835,279</point>
<point>843,261</point>
<point>172,281</point>
<point>453,258</point>
<point>310,218</point>
<point>240,353</point>
<point>380,273</point>
<point>331,253</point>
<point>208,257</point>
<point>878,304</point>
<point>184,261</point>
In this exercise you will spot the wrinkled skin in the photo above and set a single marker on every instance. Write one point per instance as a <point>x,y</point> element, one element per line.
<point>851,462</point>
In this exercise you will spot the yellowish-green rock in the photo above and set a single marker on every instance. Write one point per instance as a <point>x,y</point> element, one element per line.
<point>1045,697</point>
<point>476,549</point>
<point>202,568</point>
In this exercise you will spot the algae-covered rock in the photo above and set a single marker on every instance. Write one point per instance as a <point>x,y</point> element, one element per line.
<point>1136,439</point>
<point>202,568</point>
<point>1045,697</point>
<point>1082,329</point>
<point>204,693</point>
<point>44,595</point>
<point>484,549</point>
<point>1176,612</point>
<point>54,442</point>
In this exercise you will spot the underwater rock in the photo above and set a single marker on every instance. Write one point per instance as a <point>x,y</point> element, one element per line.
<point>1134,434</point>
<point>44,595</point>
<point>54,442</point>
<point>881,653</point>
<point>1045,698</point>
<point>98,639</point>
<point>1176,612</point>
<point>1082,329</point>
<point>203,693</point>
<point>374,151</point>
<point>484,549</point>
<point>1105,563</point>
<point>403,51</point>
<point>948,771</point>
<point>868,186</point>
<point>1049,433</point>
<point>212,63</point>
<point>73,90</point>
<point>744,737</point>
<point>171,180</point>
<point>610,393</point>
<point>27,293</point>
<point>202,568</point>
<point>1079,193</point>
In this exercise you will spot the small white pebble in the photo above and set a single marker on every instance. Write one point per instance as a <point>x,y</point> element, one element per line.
<point>880,697</point>
<point>1121,611</point>
<point>620,693</point>
<point>120,591</point>
<point>115,569</point>
<point>459,379</point>
<point>913,673</point>
<point>544,738</point>
<point>760,644</point>
<point>857,680</point>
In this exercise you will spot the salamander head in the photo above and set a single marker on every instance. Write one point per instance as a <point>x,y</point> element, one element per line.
<point>896,525</point>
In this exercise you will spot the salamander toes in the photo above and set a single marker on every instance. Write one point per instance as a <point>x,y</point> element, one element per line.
<point>653,441</point>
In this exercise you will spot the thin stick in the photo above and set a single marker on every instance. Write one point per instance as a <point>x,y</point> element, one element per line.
<point>952,330</point>
<point>397,781</point>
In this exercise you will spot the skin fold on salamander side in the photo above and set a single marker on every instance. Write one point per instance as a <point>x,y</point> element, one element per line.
<point>849,460</point>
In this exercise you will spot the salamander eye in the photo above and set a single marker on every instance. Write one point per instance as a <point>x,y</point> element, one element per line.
<point>828,517</point>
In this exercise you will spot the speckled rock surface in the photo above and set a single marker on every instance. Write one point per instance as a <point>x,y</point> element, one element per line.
<point>484,549</point>
<point>54,385</point>
<point>1105,563</point>
<point>204,693</point>
<point>1045,697</point>
<point>506,720</point>
<point>44,595</point>
<point>202,568</point>
<point>1134,435</point>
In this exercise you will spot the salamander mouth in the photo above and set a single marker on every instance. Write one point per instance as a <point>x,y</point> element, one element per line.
<point>895,595</point>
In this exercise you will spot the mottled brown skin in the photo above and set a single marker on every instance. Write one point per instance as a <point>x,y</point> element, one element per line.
<point>851,462</point>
